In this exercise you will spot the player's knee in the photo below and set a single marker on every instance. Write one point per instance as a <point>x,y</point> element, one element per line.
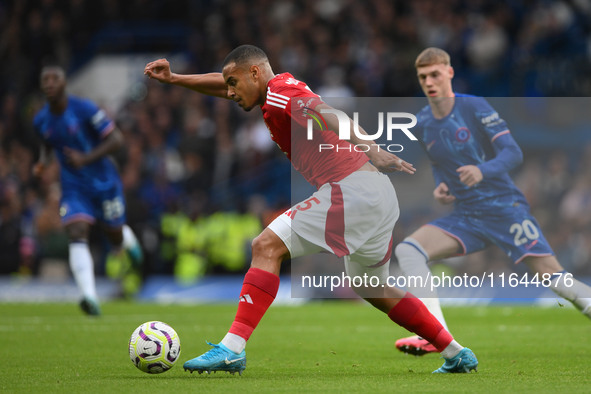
<point>543,264</point>
<point>77,231</point>
<point>258,244</point>
<point>268,246</point>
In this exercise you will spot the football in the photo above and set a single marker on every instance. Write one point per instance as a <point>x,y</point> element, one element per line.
<point>154,347</point>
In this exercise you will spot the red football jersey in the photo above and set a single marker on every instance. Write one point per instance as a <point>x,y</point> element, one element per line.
<point>287,122</point>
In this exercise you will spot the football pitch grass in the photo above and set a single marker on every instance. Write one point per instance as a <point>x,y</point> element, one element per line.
<point>337,346</point>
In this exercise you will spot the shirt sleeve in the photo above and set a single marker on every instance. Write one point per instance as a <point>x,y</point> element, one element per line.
<point>493,125</point>
<point>508,155</point>
<point>98,119</point>
<point>302,109</point>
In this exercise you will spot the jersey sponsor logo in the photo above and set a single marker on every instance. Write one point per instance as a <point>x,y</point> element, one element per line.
<point>292,81</point>
<point>490,119</point>
<point>430,145</point>
<point>98,118</point>
<point>462,134</point>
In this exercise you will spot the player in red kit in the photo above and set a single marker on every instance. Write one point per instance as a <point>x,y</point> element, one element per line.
<point>351,215</point>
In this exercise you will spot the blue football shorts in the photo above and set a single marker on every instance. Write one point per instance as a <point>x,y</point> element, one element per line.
<point>513,229</point>
<point>106,206</point>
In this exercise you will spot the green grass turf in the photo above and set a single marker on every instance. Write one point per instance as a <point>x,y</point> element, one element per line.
<point>339,346</point>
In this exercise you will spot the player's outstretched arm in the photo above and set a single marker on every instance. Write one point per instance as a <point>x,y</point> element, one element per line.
<point>211,84</point>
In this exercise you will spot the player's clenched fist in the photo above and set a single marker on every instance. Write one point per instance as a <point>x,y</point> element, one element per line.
<point>159,70</point>
<point>442,194</point>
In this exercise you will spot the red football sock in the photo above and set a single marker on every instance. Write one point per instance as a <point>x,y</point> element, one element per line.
<point>413,315</point>
<point>258,292</point>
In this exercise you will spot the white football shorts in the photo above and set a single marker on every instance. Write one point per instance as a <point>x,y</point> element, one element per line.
<point>353,218</point>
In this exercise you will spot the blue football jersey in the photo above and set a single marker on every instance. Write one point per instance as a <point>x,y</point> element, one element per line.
<point>473,133</point>
<point>81,126</point>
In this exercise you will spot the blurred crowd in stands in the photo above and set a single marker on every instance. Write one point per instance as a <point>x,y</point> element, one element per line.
<point>202,177</point>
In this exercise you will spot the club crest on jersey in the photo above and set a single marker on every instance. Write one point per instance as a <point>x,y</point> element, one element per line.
<point>462,134</point>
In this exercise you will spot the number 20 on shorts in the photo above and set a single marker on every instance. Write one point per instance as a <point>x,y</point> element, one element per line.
<point>524,232</point>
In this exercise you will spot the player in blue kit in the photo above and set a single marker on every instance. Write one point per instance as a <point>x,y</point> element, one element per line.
<point>82,137</point>
<point>471,151</point>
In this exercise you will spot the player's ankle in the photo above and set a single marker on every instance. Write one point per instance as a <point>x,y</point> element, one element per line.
<point>234,342</point>
<point>452,349</point>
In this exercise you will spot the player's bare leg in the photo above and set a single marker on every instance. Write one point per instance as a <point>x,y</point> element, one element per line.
<point>562,282</point>
<point>259,289</point>
<point>413,254</point>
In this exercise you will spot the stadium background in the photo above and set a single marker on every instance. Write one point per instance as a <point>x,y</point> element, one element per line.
<point>202,177</point>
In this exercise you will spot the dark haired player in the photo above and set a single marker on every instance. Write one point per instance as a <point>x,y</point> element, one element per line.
<point>82,137</point>
<point>352,214</point>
